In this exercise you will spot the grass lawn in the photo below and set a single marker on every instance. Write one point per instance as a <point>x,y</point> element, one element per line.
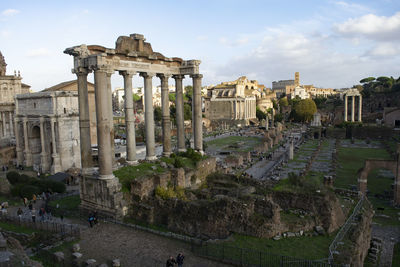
<point>68,206</point>
<point>16,228</point>
<point>128,173</point>
<point>12,201</point>
<point>235,143</point>
<point>396,256</point>
<point>351,160</point>
<point>47,258</point>
<point>311,248</point>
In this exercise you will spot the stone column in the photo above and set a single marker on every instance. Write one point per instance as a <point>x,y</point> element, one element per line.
<point>19,150</point>
<point>129,118</point>
<point>345,107</point>
<point>84,121</point>
<point>109,89</point>
<point>149,115</point>
<point>291,150</point>
<point>56,167</point>
<point>103,117</point>
<point>180,126</point>
<point>352,108</point>
<point>43,155</point>
<point>3,117</point>
<point>360,108</point>
<point>10,113</point>
<point>166,121</point>
<point>28,154</point>
<point>267,122</point>
<point>197,113</point>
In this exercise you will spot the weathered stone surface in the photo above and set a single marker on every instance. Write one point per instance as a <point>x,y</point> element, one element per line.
<point>4,186</point>
<point>116,263</point>
<point>77,255</point>
<point>76,247</point>
<point>90,262</point>
<point>320,230</point>
<point>59,256</point>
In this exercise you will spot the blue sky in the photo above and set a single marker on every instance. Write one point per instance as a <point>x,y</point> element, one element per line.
<point>331,43</point>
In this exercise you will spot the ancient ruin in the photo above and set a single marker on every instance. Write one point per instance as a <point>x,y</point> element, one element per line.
<point>131,56</point>
<point>353,93</point>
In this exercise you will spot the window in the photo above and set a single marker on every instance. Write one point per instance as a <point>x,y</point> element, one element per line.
<point>34,105</point>
<point>65,111</point>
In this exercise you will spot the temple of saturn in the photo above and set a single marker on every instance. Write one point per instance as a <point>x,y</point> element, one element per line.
<point>132,55</point>
<point>353,93</point>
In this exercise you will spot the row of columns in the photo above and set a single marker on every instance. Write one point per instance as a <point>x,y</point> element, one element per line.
<point>24,155</point>
<point>7,116</point>
<point>353,108</point>
<point>104,116</point>
<point>243,109</point>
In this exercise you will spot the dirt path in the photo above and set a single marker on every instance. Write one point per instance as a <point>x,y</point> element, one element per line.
<point>108,241</point>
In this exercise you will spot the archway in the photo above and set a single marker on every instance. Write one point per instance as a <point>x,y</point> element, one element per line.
<point>372,164</point>
<point>35,145</point>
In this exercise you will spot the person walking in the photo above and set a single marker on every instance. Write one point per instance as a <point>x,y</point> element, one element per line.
<point>171,262</point>
<point>34,198</point>
<point>179,259</point>
<point>19,213</point>
<point>91,219</point>
<point>33,213</point>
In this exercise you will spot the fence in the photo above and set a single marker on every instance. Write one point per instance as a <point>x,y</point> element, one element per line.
<point>250,257</point>
<point>345,228</point>
<point>61,228</point>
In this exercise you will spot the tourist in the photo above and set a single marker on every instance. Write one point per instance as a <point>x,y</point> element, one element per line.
<point>34,198</point>
<point>30,206</point>
<point>171,262</point>
<point>179,259</point>
<point>33,213</point>
<point>91,219</point>
<point>42,212</point>
<point>25,201</point>
<point>19,213</point>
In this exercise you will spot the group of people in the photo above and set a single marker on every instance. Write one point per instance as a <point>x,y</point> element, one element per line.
<point>178,260</point>
<point>44,211</point>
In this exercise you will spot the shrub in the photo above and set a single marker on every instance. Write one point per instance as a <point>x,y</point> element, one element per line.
<point>25,179</point>
<point>28,191</point>
<point>178,162</point>
<point>170,192</point>
<point>13,177</point>
<point>47,184</point>
<point>16,190</point>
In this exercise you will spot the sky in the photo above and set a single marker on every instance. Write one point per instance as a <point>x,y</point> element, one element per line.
<point>333,43</point>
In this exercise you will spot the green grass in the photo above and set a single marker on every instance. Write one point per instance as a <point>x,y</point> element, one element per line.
<point>351,160</point>
<point>47,258</point>
<point>128,173</point>
<point>396,256</point>
<point>236,143</point>
<point>12,201</point>
<point>311,248</point>
<point>68,206</point>
<point>17,228</point>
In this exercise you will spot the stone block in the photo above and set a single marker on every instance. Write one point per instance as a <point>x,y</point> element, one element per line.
<point>59,256</point>
<point>77,255</point>
<point>116,263</point>
<point>76,248</point>
<point>91,262</point>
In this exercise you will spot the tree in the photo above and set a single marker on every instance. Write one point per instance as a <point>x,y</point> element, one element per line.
<point>157,114</point>
<point>187,111</point>
<point>260,114</point>
<point>136,97</point>
<point>367,80</point>
<point>283,102</point>
<point>304,110</point>
<point>189,93</point>
<point>320,101</point>
<point>172,97</point>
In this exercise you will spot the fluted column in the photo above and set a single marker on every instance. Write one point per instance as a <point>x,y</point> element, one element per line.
<point>3,117</point>
<point>352,108</point>
<point>149,115</point>
<point>43,155</point>
<point>84,121</point>
<point>166,121</point>
<point>12,133</point>
<point>19,150</point>
<point>129,118</point>
<point>360,108</point>
<point>103,117</point>
<point>112,140</point>
<point>28,154</point>
<point>56,167</point>
<point>345,107</point>
<point>180,126</point>
<point>197,113</point>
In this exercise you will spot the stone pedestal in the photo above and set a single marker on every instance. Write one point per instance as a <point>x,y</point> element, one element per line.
<point>56,167</point>
<point>103,196</point>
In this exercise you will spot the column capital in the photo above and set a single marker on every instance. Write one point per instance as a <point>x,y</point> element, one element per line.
<point>178,77</point>
<point>196,76</point>
<point>147,74</point>
<point>81,71</point>
<point>164,76</point>
<point>127,73</point>
<point>41,119</point>
<point>25,119</point>
<point>101,68</point>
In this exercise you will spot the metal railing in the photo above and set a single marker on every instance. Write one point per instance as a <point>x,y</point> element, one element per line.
<point>55,227</point>
<point>345,228</point>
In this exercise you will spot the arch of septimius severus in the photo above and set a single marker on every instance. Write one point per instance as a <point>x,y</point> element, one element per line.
<point>131,56</point>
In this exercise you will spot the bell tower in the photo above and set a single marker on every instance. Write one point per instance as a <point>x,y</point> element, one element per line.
<point>297,79</point>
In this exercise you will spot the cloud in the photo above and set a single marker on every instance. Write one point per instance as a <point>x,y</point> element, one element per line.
<point>233,43</point>
<point>384,50</point>
<point>39,52</point>
<point>352,7</point>
<point>202,38</point>
<point>371,27</point>
<point>9,12</point>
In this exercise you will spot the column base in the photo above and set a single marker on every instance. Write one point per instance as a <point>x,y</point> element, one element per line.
<point>106,176</point>
<point>151,158</point>
<point>132,162</point>
<point>44,164</point>
<point>166,154</point>
<point>201,152</point>
<point>181,149</point>
<point>88,171</point>
<point>56,167</point>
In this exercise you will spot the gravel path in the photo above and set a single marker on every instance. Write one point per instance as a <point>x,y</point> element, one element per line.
<point>389,236</point>
<point>107,241</point>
